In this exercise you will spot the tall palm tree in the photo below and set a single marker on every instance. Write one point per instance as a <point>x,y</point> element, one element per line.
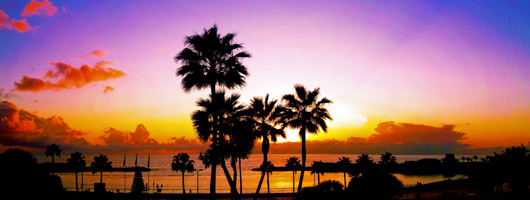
<point>210,60</point>
<point>387,159</point>
<point>100,164</point>
<point>293,163</point>
<point>264,114</point>
<point>305,112</point>
<point>181,162</point>
<point>77,161</point>
<point>226,110</point>
<point>53,150</point>
<point>344,163</point>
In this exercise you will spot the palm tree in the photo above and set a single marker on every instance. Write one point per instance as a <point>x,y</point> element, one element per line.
<point>210,60</point>
<point>53,150</point>
<point>305,112</point>
<point>181,162</point>
<point>267,167</point>
<point>344,162</point>
<point>100,164</point>
<point>364,160</point>
<point>318,169</point>
<point>77,161</point>
<point>387,158</point>
<point>228,111</point>
<point>264,114</point>
<point>293,163</point>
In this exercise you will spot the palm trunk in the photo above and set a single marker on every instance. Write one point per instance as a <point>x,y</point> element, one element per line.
<point>234,168</point>
<point>345,180</point>
<point>101,176</point>
<point>240,178</point>
<point>318,175</point>
<point>233,187</point>
<point>265,150</point>
<point>302,135</point>
<point>183,189</point>
<point>76,186</point>
<point>268,187</point>
<point>53,164</point>
<point>214,145</point>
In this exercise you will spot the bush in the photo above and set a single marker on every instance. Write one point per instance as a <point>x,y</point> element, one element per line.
<point>138,183</point>
<point>375,185</point>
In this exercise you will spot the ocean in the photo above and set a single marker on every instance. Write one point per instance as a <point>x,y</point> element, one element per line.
<point>170,181</point>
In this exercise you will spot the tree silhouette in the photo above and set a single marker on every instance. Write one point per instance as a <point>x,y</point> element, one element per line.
<point>344,163</point>
<point>53,150</point>
<point>182,163</point>
<point>226,110</point>
<point>293,163</point>
<point>100,164</point>
<point>264,114</point>
<point>306,112</point>
<point>318,169</point>
<point>267,167</point>
<point>387,159</point>
<point>138,183</point>
<point>364,160</point>
<point>76,161</point>
<point>210,60</point>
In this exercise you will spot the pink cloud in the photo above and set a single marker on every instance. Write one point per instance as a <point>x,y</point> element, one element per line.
<point>19,25</point>
<point>44,8</point>
<point>96,53</point>
<point>68,77</point>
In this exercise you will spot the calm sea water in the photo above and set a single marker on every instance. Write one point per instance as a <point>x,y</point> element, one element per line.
<point>171,182</point>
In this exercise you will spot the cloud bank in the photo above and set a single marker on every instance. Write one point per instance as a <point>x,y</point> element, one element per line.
<point>66,76</point>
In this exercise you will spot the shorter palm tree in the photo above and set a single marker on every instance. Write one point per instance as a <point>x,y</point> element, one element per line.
<point>364,160</point>
<point>53,150</point>
<point>76,161</point>
<point>344,163</point>
<point>267,167</point>
<point>181,162</point>
<point>318,169</point>
<point>293,163</point>
<point>387,159</point>
<point>100,164</point>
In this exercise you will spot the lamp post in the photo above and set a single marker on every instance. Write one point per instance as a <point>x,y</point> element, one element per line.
<point>198,170</point>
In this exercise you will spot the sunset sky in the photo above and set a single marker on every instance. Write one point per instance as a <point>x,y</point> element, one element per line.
<point>443,76</point>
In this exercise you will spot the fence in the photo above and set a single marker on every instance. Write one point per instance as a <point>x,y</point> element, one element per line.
<point>188,191</point>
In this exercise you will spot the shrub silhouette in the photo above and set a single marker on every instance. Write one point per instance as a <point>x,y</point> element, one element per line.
<point>138,183</point>
<point>375,185</point>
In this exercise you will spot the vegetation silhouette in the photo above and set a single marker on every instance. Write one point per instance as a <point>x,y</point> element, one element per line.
<point>182,163</point>
<point>20,171</point>
<point>304,111</point>
<point>77,162</point>
<point>210,60</point>
<point>345,164</point>
<point>317,168</point>
<point>53,150</point>
<point>267,167</point>
<point>265,114</point>
<point>227,110</point>
<point>138,186</point>
<point>374,185</point>
<point>100,164</point>
<point>387,159</point>
<point>293,163</point>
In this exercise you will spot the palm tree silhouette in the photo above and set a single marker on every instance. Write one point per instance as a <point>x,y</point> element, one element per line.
<point>227,111</point>
<point>53,150</point>
<point>181,162</point>
<point>305,112</point>
<point>387,159</point>
<point>344,163</point>
<point>77,161</point>
<point>293,163</point>
<point>267,167</point>
<point>210,60</point>
<point>364,160</point>
<point>264,114</point>
<point>100,164</point>
<point>317,169</point>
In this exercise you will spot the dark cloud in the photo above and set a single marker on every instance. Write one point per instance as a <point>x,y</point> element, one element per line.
<point>22,128</point>
<point>66,76</point>
<point>6,95</point>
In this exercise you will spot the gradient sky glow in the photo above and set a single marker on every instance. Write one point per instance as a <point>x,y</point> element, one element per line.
<point>465,63</point>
